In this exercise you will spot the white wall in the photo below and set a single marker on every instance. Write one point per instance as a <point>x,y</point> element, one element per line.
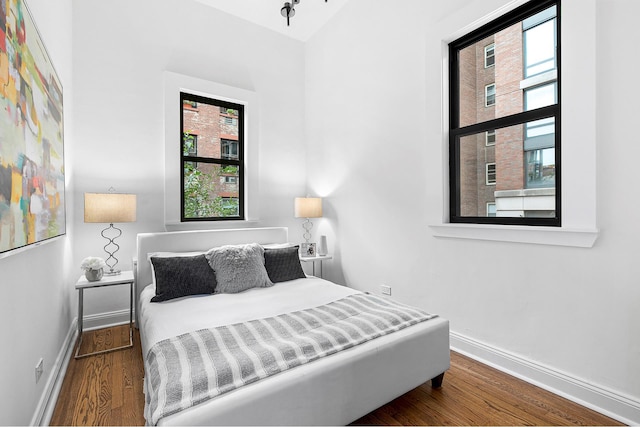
<point>121,50</point>
<point>34,308</point>
<point>374,126</point>
<point>360,105</point>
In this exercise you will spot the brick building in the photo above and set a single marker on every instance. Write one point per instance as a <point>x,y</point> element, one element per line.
<point>212,131</point>
<point>509,171</point>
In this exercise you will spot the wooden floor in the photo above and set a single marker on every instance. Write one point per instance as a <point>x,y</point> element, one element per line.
<point>107,390</point>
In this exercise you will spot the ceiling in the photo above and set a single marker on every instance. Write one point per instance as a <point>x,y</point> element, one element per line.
<point>311,15</point>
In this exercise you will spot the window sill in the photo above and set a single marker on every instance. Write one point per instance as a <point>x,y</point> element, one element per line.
<point>579,238</point>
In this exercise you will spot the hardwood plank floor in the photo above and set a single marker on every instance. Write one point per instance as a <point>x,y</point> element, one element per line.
<point>107,390</point>
<point>104,389</point>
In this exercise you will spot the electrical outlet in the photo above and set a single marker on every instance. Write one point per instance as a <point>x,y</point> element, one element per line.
<point>386,290</point>
<point>39,369</point>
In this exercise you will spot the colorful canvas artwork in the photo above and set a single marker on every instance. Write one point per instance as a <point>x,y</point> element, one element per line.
<point>32,205</point>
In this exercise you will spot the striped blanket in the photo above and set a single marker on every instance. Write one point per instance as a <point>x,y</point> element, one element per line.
<point>191,368</point>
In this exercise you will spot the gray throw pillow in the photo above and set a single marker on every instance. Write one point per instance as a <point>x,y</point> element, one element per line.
<point>283,264</point>
<point>238,268</point>
<point>182,276</point>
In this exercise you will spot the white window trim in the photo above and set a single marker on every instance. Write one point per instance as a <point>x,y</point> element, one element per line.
<point>486,95</point>
<point>486,139</point>
<point>491,46</point>
<point>486,174</point>
<point>174,83</point>
<point>579,225</point>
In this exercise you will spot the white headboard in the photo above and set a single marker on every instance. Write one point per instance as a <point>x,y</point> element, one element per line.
<point>198,240</point>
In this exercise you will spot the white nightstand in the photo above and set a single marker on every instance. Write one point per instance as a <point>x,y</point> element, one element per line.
<point>314,259</point>
<point>124,278</point>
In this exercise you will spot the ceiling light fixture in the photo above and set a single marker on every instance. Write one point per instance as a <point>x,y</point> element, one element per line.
<point>289,11</point>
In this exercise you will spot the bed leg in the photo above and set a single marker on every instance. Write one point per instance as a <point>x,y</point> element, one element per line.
<point>436,382</point>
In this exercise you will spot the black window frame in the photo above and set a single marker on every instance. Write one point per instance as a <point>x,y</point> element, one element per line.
<point>456,132</point>
<point>184,96</point>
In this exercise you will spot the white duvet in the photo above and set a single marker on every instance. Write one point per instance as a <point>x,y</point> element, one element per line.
<point>159,321</point>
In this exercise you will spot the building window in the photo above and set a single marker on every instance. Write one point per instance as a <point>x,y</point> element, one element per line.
<point>490,55</point>
<point>190,142</point>
<point>230,206</point>
<point>491,209</point>
<point>229,180</point>
<point>231,121</point>
<point>490,137</point>
<point>212,167</point>
<point>522,129</point>
<point>540,33</point>
<point>490,174</point>
<point>490,95</point>
<point>229,149</point>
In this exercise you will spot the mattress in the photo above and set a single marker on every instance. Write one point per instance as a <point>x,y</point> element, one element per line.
<point>306,394</point>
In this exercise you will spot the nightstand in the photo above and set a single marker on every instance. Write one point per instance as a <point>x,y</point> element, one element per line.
<point>314,259</point>
<point>124,278</point>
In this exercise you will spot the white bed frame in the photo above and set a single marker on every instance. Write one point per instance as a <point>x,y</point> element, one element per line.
<point>334,390</point>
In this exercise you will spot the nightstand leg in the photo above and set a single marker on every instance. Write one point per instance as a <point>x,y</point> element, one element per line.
<point>80,319</point>
<point>131,315</point>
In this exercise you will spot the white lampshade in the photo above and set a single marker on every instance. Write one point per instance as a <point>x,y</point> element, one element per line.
<point>308,207</point>
<point>109,208</point>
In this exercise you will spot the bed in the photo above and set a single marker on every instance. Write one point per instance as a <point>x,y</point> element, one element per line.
<point>332,390</point>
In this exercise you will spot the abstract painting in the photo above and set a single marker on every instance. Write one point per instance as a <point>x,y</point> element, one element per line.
<point>32,202</point>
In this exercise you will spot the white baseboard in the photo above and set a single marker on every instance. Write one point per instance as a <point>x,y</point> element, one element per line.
<point>47,404</point>
<point>106,320</point>
<point>623,408</point>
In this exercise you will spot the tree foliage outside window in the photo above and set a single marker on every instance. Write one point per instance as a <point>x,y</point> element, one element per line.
<point>207,191</point>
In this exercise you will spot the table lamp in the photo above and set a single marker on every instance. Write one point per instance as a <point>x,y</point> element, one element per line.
<point>110,208</point>
<point>308,207</point>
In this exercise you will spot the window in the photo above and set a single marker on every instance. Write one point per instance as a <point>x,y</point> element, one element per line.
<point>228,180</point>
<point>212,166</point>
<point>490,95</point>
<point>489,55</point>
<point>230,206</point>
<point>540,33</point>
<point>517,142</point>
<point>229,149</point>
<point>491,209</point>
<point>490,173</point>
<point>190,144</point>
<point>490,137</point>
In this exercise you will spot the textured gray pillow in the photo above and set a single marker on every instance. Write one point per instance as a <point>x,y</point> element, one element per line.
<point>238,268</point>
<point>177,277</point>
<point>283,264</point>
